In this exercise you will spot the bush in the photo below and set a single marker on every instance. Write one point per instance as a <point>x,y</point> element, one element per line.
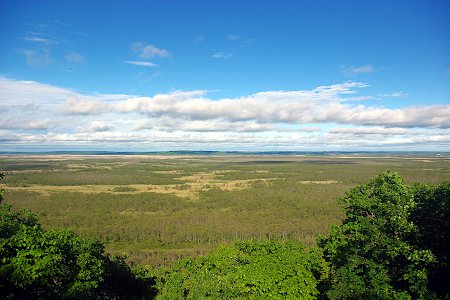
<point>124,189</point>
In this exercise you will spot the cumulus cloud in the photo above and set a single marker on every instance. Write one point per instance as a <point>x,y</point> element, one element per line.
<point>100,126</point>
<point>25,124</point>
<point>13,92</point>
<point>324,104</point>
<point>82,105</point>
<point>281,119</point>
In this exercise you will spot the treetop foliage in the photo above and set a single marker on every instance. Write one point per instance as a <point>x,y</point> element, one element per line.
<point>372,254</point>
<point>247,270</point>
<point>58,264</point>
<point>432,218</point>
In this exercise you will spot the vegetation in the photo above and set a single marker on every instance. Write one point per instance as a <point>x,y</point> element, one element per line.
<point>160,209</point>
<point>391,244</point>
<point>432,218</point>
<point>377,253</point>
<point>39,264</point>
<point>247,270</point>
<point>370,253</point>
<point>2,191</point>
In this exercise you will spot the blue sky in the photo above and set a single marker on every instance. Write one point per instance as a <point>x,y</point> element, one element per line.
<point>224,75</point>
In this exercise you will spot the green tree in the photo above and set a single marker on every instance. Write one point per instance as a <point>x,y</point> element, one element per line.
<point>247,270</point>
<point>432,217</point>
<point>39,264</point>
<point>370,254</point>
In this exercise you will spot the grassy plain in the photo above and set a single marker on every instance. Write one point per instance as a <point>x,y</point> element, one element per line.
<point>160,208</point>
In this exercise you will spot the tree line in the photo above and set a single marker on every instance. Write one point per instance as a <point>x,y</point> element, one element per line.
<point>393,243</point>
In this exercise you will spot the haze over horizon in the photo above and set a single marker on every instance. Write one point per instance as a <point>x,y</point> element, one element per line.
<point>225,75</point>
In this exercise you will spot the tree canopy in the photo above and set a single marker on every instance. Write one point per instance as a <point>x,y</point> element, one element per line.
<point>247,270</point>
<point>432,218</point>
<point>58,264</point>
<point>372,253</point>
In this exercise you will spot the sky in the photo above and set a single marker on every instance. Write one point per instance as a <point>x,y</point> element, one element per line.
<point>225,75</point>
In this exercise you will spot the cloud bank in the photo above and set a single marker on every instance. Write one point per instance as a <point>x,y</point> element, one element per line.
<point>324,104</point>
<point>323,118</point>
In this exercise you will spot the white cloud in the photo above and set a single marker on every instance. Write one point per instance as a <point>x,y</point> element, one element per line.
<point>324,104</point>
<point>157,140</point>
<point>141,63</point>
<point>216,125</point>
<point>308,129</point>
<point>223,55</point>
<point>37,39</point>
<point>395,94</point>
<point>370,130</point>
<point>148,51</point>
<point>9,137</point>
<point>100,126</point>
<point>271,119</point>
<point>25,124</point>
<point>15,92</point>
<point>82,105</point>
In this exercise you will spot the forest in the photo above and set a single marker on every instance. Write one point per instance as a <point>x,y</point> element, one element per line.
<point>386,236</point>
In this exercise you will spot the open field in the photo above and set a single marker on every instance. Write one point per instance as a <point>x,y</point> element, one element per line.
<point>160,208</point>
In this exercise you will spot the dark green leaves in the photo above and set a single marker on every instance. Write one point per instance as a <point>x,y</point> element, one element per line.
<point>248,270</point>
<point>371,253</point>
<point>39,264</point>
<point>432,217</point>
